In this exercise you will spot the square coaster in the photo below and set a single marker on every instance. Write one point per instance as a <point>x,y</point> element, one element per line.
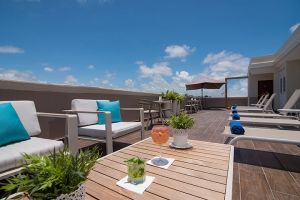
<point>139,188</point>
<point>170,161</point>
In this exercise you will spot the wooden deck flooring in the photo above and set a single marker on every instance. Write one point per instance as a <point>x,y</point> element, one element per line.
<point>262,170</point>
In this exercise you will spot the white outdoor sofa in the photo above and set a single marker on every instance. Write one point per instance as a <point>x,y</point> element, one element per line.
<point>88,127</point>
<point>11,154</point>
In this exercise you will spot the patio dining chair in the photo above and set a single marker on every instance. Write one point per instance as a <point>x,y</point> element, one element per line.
<point>20,116</point>
<point>89,128</point>
<point>151,112</point>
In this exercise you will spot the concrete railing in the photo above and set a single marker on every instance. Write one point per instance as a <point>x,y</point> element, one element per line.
<point>55,98</point>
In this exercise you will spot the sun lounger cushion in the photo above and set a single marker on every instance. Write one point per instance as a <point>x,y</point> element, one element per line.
<point>236,128</point>
<point>11,155</point>
<point>111,106</point>
<point>27,114</point>
<point>11,129</point>
<point>118,129</point>
<point>235,116</point>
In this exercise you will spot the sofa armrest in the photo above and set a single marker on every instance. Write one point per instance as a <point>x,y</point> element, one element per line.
<point>131,109</point>
<point>83,111</point>
<point>141,118</point>
<point>71,132</point>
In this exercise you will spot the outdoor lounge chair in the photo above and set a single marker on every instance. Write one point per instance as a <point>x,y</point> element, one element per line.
<point>265,108</point>
<point>11,154</point>
<point>261,100</point>
<point>268,121</point>
<point>283,114</point>
<point>265,134</point>
<point>88,127</point>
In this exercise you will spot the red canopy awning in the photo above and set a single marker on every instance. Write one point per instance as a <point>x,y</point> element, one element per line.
<point>204,85</point>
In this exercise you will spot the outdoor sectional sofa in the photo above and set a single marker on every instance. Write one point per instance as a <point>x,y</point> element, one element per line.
<point>11,154</point>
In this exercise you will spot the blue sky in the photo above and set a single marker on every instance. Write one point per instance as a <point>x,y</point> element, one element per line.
<point>147,45</point>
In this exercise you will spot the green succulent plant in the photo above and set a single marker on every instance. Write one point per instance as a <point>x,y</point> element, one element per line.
<point>182,121</point>
<point>47,177</point>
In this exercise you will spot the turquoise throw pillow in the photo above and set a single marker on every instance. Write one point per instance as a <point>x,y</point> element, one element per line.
<point>111,106</point>
<point>11,128</point>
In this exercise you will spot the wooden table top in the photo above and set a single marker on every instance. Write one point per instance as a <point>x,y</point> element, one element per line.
<point>203,172</point>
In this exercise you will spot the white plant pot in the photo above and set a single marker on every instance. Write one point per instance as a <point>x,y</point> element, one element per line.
<point>180,137</point>
<point>78,194</point>
<point>168,111</point>
<point>175,107</point>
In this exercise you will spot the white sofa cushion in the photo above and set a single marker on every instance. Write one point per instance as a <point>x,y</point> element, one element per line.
<point>27,114</point>
<point>11,155</point>
<point>85,105</point>
<point>118,129</point>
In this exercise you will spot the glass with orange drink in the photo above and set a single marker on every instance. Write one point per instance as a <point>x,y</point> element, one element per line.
<point>160,135</point>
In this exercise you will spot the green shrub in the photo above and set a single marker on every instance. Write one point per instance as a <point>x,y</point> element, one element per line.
<point>182,121</point>
<point>172,95</point>
<point>47,177</point>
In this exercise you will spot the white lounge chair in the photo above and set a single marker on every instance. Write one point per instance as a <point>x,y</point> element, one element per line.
<point>265,134</point>
<point>88,127</point>
<point>266,107</point>
<point>11,154</point>
<point>268,121</point>
<point>261,100</point>
<point>283,112</point>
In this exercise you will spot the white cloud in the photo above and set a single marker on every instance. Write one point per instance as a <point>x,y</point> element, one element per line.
<point>221,65</point>
<point>224,64</point>
<point>129,83</point>
<point>17,75</point>
<point>71,80</point>
<point>64,69</point>
<point>238,89</point>
<point>91,67</point>
<point>183,76</point>
<point>48,69</point>
<point>294,27</point>
<point>158,69</point>
<point>10,49</point>
<point>177,51</point>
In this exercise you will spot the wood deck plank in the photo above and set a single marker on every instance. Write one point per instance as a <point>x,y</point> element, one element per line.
<point>203,183</point>
<point>178,185</point>
<point>208,127</point>
<point>184,168</point>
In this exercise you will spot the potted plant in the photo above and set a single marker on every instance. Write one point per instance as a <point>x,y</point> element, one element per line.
<point>59,175</point>
<point>180,98</point>
<point>180,125</point>
<point>136,170</point>
<point>176,99</point>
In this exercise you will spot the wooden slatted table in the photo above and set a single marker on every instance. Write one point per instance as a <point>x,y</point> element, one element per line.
<point>203,172</point>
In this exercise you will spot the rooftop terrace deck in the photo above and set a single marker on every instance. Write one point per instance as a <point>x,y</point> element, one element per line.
<point>262,170</point>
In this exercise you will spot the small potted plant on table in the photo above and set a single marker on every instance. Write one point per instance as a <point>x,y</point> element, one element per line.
<point>181,124</point>
<point>57,176</point>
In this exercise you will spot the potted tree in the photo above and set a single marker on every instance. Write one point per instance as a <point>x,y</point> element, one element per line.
<point>176,99</point>
<point>181,124</point>
<point>180,98</point>
<point>59,175</point>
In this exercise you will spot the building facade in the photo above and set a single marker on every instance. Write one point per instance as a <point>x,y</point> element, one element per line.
<point>278,73</point>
